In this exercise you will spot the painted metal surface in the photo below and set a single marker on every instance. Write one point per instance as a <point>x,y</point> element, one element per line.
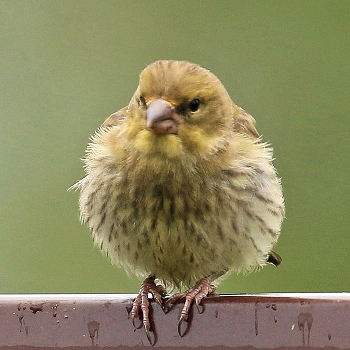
<point>274,321</point>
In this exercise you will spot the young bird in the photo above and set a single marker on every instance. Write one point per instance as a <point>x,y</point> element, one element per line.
<point>180,187</point>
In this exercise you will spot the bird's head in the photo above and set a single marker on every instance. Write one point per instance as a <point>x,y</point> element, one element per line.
<point>179,107</point>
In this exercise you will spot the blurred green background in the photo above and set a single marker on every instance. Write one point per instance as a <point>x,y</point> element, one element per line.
<point>66,65</point>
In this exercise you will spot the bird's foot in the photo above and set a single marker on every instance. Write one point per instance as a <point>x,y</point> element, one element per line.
<point>141,303</point>
<point>200,290</point>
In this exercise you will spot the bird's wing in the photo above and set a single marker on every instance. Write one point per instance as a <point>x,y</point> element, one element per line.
<point>244,123</point>
<point>115,118</point>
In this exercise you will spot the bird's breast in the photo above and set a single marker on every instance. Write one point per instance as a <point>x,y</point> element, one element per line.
<point>183,225</point>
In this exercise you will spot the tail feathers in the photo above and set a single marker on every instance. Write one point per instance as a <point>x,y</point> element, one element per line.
<point>274,258</point>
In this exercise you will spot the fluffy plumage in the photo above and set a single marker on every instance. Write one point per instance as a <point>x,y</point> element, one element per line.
<point>182,206</point>
<point>179,184</point>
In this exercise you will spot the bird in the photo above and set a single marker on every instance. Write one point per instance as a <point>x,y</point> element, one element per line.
<point>180,188</point>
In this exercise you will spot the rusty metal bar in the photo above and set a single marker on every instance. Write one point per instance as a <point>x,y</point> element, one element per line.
<point>272,321</point>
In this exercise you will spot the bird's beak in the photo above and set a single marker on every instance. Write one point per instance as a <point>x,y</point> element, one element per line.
<point>161,117</point>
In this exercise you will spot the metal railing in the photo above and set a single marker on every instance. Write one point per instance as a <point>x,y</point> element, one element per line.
<point>268,321</point>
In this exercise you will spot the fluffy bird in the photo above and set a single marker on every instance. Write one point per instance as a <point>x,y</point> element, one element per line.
<point>180,188</point>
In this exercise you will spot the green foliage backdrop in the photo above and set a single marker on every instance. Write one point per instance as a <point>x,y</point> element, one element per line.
<point>66,65</point>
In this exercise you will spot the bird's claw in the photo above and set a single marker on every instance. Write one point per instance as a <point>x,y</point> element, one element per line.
<point>141,303</point>
<point>172,301</point>
<point>179,326</point>
<point>135,311</point>
<point>195,294</point>
<point>200,308</point>
<point>151,340</point>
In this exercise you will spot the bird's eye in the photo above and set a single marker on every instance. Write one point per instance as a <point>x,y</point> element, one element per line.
<point>194,105</point>
<point>142,100</point>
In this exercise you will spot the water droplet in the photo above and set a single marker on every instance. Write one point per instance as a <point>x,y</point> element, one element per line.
<point>93,328</point>
<point>256,319</point>
<point>54,310</point>
<point>35,308</point>
<point>305,319</point>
